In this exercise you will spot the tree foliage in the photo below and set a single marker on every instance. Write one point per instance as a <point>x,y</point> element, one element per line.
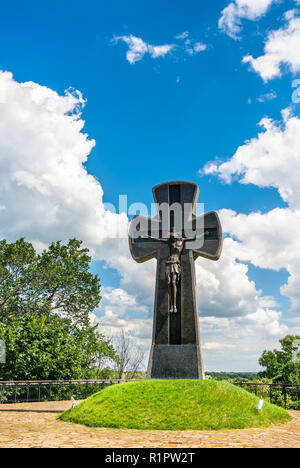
<point>50,348</point>
<point>56,281</point>
<point>233,376</point>
<point>283,366</point>
<point>45,301</point>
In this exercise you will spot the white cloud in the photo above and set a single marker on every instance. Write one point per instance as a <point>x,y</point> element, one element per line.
<point>267,320</point>
<point>281,48</point>
<point>190,46</point>
<point>160,51</point>
<point>44,186</point>
<point>138,48</point>
<point>224,288</point>
<point>230,21</point>
<point>199,47</point>
<point>267,240</point>
<point>235,344</point>
<point>270,240</point>
<point>267,96</point>
<point>196,48</point>
<point>270,160</point>
<point>213,345</point>
<point>183,35</point>
<point>119,299</point>
<point>120,310</point>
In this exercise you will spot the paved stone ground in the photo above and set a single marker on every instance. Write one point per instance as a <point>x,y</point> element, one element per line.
<point>35,425</point>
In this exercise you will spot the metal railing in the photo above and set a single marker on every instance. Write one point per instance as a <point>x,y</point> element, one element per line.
<point>284,395</point>
<point>52,390</point>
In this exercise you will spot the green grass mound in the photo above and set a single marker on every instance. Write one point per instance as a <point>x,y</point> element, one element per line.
<point>174,405</point>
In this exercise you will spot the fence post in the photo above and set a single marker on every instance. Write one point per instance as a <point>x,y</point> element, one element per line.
<point>285,396</point>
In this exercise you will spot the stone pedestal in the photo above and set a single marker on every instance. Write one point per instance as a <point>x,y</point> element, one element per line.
<point>175,362</point>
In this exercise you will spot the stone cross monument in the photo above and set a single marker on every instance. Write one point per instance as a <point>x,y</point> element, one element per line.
<point>176,237</point>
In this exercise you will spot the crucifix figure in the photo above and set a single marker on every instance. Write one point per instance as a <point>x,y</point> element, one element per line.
<point>173,265</point>
<point>176,241</point>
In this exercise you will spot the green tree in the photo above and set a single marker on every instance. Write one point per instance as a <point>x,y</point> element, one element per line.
<point>51,348</point>
<point>45,302</point>
<point>56,281</point>
<point>282,366</point>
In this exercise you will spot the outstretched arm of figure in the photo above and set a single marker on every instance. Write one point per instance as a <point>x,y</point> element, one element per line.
<point>191,239</point>
<point>164,241</point>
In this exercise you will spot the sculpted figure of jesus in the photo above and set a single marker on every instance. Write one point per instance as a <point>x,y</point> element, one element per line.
<point>173,265</point>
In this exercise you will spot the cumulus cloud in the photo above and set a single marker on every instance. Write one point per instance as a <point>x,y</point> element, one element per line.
<point>224,288</point>
<point>281,48</point>
<point>137,48</point>
<point>120,310</point>
<point>266,240</point>
<point>269,240</point>
<point>270,160</point>
<point>235,344</point>
<point>236,319</point>
<point>230,21</point>
<point>45,190</point>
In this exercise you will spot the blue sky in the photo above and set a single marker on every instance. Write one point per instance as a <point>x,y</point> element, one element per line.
<point>166,118</point>
<point>153,128</point>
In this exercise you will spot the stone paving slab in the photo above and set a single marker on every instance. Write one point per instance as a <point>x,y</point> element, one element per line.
<point>35,425</point>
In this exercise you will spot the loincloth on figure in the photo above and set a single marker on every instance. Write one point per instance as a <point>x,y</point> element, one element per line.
<point>173,268</point>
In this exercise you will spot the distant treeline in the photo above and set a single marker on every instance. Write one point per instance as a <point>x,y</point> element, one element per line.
<point>232,375</point>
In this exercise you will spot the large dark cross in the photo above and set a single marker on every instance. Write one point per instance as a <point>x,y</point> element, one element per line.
<point>175,351</point>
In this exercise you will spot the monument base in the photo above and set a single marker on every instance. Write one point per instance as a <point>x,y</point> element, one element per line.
<point>175,362</point>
